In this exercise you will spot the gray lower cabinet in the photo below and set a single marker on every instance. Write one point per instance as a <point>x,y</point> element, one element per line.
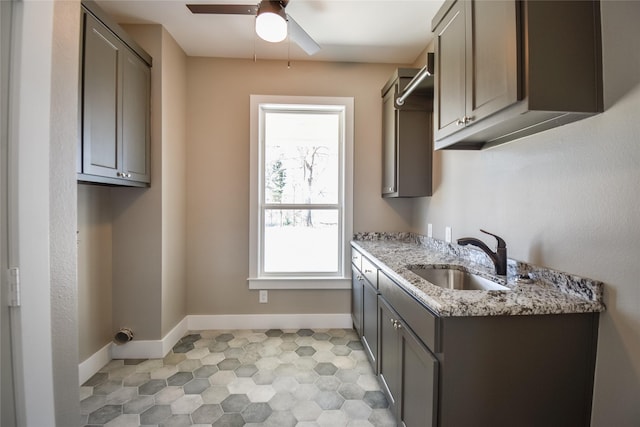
<point>370,322</point>
<point>408,371</point>
<point>115,143</point>
<point>484,371</point>
<point>364,304</point>
<point>357,284</point>
<point>389,361</point>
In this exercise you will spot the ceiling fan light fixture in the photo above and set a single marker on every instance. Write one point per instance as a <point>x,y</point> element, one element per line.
<point>271,21</point>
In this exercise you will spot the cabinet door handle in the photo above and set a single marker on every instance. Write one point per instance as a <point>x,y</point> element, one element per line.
<point>463,121</point>
<point>359,277</point>
<point>368,271</point>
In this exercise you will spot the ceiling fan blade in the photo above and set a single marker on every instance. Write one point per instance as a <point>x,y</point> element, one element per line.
<point>301,37</point>
<point>224,9</point>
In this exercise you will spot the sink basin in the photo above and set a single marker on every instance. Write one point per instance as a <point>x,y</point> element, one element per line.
<point>451,278</point>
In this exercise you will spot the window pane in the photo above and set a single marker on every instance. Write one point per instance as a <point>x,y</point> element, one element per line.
<point>301,157</point>
<point>305,241</point>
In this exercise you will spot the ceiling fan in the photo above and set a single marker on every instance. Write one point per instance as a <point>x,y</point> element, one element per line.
<point>272,23</point>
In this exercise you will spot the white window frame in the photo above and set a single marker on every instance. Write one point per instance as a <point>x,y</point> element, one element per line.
<point>257,278</point>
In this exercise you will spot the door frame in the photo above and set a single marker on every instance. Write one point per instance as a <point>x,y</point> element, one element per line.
<point>28,216</point>
<point>7,390</point>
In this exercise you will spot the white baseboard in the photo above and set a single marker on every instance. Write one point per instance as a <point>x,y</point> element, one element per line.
<point>150,349</point>
<point>94,363</point>
<point>269,321</point>
<point>157,349</point>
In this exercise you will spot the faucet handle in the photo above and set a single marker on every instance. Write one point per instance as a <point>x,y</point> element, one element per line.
<point>501,242</point>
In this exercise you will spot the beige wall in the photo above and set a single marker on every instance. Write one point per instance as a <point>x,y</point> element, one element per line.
<point>174,148</point>
<point>137,221</point>
<point>132,245</point>
<point>149,224</point>
<point>218,175</point>
<point>94,268</point>
<point>62,217</point>
<point>568,199</point>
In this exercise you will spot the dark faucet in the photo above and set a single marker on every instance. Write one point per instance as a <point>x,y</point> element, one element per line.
<point>499,257</point>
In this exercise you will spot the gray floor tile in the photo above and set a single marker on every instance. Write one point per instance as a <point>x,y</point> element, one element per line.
<point>272,378</point>
<point>177,421</point>
<point>156,414</point>
<point>256,412</point>
<point>151,387</point>
<point>280,419</point>
<point>105,414</point>
<point>97,379</point>
<point>207,414</point>
<point>138,405</point>
<point>235,403</point>
<point>180,378</point>
<point>229,420</point>
<point>329,400</point>
<point>196,386</point>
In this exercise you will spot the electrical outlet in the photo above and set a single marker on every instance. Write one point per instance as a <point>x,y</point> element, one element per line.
<point>429,230</point>
<point>447,234</point>
<point>264,297</point>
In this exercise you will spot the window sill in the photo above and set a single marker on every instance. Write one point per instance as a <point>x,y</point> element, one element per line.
<point>300,283</point>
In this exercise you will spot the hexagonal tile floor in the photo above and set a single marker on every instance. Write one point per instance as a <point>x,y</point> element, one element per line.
<point>276,378</point>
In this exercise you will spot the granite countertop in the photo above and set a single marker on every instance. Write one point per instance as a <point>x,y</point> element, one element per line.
<point>549,291</point>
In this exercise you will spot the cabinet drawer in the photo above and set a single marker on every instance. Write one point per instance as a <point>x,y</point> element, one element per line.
<point>419,318</point>
<point>370,272</point>
<point>356,259</point>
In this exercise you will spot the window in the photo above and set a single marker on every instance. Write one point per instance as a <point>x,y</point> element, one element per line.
<point>301,180</point>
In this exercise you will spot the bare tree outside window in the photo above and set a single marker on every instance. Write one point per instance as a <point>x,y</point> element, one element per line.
<point>302,191</point>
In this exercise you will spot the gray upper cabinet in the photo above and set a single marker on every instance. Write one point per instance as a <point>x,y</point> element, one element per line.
<point>509,69</point>
<point>115,143</point>
<point>135,118</point>
<point>407,137</point>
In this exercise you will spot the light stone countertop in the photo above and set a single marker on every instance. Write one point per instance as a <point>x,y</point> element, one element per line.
<point>550,291</point>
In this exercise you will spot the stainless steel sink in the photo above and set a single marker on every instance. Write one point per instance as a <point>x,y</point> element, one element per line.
<point>452,278</point>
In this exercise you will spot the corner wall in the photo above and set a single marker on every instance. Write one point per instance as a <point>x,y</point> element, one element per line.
<point>568,199</point>
<point>137,221</point>
<point>149,224</point>
<point>94,268</point>
<point>174,167</point>
<point>132,248</point>
<point>63,202</point>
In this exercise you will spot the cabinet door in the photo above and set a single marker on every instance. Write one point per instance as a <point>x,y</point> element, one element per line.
<point>356,299</point>
<point>135,118</point>
<point>419,379</point>
<point>389,355</point>
<point>450,81</point>
<point>102,144</point>
<point>492,58</point>
<point>389,142</point>
<point>370,323</point>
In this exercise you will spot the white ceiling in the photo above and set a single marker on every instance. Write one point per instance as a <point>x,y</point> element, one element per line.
<point>385,31</point>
